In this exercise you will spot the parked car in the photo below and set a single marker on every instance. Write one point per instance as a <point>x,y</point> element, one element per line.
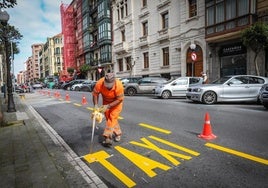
<point>130,80</point>
<point>18,89</point>
<point>68,85</point>
<point>37,86</point>
<point>177,87</point>
<point>263,95</point>
<point>144,85</point>
<point>88,87</point>
<point>77,87</point>
<point>228,88</point>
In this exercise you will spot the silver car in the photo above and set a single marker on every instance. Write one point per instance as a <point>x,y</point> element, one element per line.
<point>177,87</point>
<point>228,88</point>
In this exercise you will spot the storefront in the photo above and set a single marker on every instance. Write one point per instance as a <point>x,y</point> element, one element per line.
<point>233,59</point>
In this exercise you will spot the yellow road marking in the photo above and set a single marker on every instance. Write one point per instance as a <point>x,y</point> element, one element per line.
<point>165,153</point>
<point>175,146</point>
<point>238,153</point>
<point>101,157</point>
<point>76,104</point>
<point>145,164</point>
<point>155,128</point>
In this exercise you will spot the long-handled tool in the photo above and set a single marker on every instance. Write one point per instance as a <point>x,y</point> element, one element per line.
<point>92,133</point>
<point>96,117</point>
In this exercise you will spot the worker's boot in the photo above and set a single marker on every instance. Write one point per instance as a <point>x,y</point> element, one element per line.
<point>117,138</point>
<point>107,142</point>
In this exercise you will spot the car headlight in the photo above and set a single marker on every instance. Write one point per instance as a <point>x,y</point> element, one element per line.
<point>197,89</point>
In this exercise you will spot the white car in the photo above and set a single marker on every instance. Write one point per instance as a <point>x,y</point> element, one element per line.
<point>37,86</point>
<point>176,88</point>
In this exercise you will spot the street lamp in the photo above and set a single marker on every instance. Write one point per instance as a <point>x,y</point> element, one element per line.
<point>4,17</point>
<point>193,46</point>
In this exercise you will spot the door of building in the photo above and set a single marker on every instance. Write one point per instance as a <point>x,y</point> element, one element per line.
<point>194,68</point>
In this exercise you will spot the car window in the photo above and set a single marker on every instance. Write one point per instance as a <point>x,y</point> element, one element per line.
<point>145,80</point>
<point>182,81</point>
<point>239,80</point>
<point>221,80</point>
<point>194,80</point>
<point>255,80</point>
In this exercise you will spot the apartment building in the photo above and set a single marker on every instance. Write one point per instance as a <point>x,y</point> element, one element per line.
<point>32,64</point>
<point>50,56</point>
<point>154,38</point>
<point>86,27</point>
<point>225,19</point>
<point>146,38</point>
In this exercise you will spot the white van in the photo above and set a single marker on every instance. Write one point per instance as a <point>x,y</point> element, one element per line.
<point>176,88</point>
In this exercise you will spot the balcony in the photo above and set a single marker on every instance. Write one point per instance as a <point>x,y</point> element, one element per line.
<point>163,35</point>
<point>121,48</point>
<point>143,41</point>
<point>229,29</point>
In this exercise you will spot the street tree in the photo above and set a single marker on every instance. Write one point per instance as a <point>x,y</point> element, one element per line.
<point>11,34</point>
<point>8,3</point>
<point>256,38</point>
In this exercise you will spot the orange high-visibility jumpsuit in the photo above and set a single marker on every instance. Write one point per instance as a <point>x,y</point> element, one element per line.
<point>114,98</point>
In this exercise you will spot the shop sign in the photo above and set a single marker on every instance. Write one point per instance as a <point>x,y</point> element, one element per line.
<point>233,49</point>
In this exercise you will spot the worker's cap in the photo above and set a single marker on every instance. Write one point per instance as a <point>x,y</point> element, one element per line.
<point>109,80</point>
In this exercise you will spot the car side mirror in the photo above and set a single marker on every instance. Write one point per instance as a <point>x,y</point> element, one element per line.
<point>174,83</point>
<point>229,83</point>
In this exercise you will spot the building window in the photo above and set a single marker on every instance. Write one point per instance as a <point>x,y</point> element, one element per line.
<point>192,8</point>
<point>165,20</point>
<point>120,65</point>
<point>165,56</point>
<point>145,28</point>
<point>122,9</point>
<point>128,62</point>
<point>104,30</point>
<point>57,51</point>
<point>123,37</point>
<point>144,3</point>
<point>146,60</point>
<point>224,15</point>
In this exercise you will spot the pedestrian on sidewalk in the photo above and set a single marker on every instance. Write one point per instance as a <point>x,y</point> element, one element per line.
<point>112,92</point>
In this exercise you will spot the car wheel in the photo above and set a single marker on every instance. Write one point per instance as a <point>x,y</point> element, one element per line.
<point>131,91</point>
<point>166,94</point>
<point>265,105</point>
<point>209,97</point>
<point>76,88</point>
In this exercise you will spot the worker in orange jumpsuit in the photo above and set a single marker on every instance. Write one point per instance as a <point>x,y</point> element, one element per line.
<point>112,92</point>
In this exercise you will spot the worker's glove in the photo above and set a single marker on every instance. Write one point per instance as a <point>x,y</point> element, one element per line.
<point>97,115</point>
<point>96,108</point>
<point>103,108</point>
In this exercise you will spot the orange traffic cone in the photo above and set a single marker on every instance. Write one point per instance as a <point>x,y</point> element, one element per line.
<point>67,97</point>
<point>59,96</point>
<point>84,100</point>
<point>207,131</point>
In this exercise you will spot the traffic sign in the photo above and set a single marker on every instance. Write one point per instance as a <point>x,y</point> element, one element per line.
<point>193,56</point>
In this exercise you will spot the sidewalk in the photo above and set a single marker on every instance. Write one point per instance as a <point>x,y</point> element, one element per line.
<point>33,155</point>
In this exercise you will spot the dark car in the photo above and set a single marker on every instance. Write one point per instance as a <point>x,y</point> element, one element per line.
<point>88,87</point>
<point>18,89</point>
<point>263,95</point>
<point>144,85</point>
<point>67,86</point>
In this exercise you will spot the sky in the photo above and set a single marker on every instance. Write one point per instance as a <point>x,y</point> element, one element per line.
<point>35,20</point>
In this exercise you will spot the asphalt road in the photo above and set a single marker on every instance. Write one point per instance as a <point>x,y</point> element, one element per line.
<point>160,146</point>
